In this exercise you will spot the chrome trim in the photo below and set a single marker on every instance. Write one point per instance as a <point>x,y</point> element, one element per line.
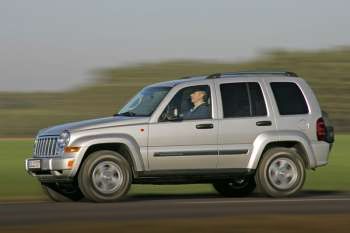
<point>46,147</point>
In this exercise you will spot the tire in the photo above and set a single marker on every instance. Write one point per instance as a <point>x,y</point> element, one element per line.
<point>62,193</point>
<point>239,187</point>
<point>105,176</point>
<point>281,172</point>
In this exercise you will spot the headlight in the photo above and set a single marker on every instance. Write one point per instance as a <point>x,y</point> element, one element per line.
<point>63,140</point>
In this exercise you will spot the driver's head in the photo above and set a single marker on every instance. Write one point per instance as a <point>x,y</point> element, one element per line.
<point>198,96</point>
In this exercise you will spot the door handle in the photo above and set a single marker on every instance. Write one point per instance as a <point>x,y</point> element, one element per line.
<point>263,123</point>
<point>204,126</point>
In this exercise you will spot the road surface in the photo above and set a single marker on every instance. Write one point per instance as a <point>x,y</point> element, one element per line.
<point>164,208</point>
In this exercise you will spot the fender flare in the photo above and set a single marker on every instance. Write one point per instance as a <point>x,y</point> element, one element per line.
<point>86,141</point>
<point>264,139</point>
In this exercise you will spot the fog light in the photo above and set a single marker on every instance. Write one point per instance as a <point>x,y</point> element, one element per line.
<point>71,149</point>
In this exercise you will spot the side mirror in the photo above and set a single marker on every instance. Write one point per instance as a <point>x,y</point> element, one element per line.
<point>170,115</point>
<point>173,115</point>
<point>174,118</point>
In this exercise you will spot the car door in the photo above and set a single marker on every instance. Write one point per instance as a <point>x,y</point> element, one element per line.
<point>184,144</point>
<point>244,114</point>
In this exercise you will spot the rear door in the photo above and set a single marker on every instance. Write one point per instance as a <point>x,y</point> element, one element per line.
<point>244,114</point>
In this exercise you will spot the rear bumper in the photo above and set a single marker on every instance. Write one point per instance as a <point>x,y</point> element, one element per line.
<point>51,169</point>
<point>321,151</point>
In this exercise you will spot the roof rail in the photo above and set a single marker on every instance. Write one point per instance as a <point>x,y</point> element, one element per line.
<point>195,76</point>
<point>243,73</point>
<point>216,75</point>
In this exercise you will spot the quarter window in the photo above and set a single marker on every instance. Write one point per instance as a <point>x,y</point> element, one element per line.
<point>242,100</point>
<point>289,98</point>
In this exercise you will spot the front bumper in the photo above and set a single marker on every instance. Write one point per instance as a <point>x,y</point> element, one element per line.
<point>51,169</point>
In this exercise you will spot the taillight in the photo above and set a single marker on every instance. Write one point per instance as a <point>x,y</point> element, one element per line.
<point>321,129</point>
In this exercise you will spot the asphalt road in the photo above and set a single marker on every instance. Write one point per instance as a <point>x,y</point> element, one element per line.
<point>137,208</point>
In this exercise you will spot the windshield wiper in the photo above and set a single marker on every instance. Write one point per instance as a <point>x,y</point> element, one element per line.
<point>131,114</point>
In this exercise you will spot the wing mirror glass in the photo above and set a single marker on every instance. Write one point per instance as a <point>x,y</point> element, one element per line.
<point>171,115</point>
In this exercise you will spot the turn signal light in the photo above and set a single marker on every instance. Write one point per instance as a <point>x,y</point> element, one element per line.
<point>71,149</point>
<point>70,163</point>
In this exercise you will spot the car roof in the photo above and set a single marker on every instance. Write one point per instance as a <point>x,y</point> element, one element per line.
<point>241,74</point>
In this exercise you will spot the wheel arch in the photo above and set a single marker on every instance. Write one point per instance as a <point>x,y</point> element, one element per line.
<point>123,144</point>
<point>289,139</point>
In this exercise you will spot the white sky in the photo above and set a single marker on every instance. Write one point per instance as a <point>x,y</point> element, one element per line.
<point>52,45</point>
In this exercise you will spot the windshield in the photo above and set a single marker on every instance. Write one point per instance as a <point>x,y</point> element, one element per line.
<point>145,102</point>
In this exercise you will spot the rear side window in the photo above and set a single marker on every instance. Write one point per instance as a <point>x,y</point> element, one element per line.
<point>242,100</point>
<point>289,98</point>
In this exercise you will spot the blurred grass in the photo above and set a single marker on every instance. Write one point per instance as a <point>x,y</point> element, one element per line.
<point>17,184</point>
<point>23,114</point>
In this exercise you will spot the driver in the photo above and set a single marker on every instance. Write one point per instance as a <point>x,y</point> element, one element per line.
<point>200,108</point>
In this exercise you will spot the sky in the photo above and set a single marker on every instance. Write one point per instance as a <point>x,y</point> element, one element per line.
<point>51,45</point>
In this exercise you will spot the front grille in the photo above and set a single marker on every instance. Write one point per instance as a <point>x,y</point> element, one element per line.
<point>46,147</point>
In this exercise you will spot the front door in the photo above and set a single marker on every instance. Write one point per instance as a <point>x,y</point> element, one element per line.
<point>185,136</point>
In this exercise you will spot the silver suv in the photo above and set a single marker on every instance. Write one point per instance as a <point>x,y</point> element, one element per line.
<point>237,131</point>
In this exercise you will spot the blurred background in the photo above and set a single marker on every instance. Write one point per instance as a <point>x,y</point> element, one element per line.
<point>70,60</point>
<point>64,61</point>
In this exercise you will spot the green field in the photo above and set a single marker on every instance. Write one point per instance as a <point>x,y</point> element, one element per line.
<point>23,114</point>
<point>16,184</point>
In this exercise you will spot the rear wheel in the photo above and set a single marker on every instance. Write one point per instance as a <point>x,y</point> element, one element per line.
<point>105,176</point>
<point>281,172</point>
<point>236,187</point>
<point>62,193</point>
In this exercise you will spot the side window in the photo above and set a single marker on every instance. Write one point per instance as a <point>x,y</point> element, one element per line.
<point>242,100</point>
<point>190,103</point>
<point>289,98</point>
<point>235,100</point>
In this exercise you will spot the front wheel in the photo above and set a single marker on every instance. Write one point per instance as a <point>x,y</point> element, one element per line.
<point>281,172</point>
<point>238,187</point>
<point>105,176</point>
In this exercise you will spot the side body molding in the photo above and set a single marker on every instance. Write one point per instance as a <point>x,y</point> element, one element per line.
<point>281,136</point>
<point>86,141</point>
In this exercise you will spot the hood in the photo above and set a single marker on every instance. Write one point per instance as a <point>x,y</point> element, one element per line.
<point>93,124</point>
